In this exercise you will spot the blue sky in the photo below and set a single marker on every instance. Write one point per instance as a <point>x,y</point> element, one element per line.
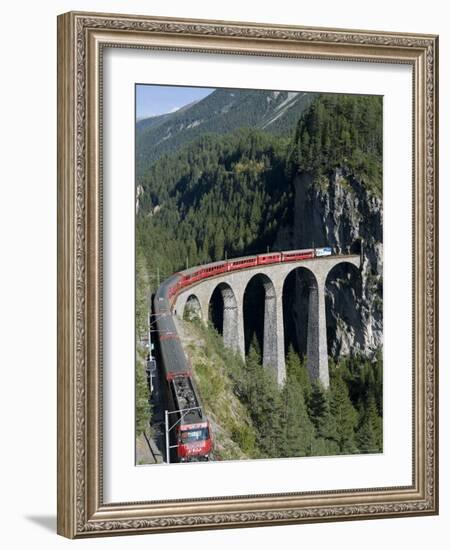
<point>152,100</point>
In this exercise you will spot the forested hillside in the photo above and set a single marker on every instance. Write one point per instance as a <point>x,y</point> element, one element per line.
<point>223,111</point>
<point>252,417</point>
<point>221,194</point>
<point>234,193</point>
<point>316,182</point>
<point>341,132</point>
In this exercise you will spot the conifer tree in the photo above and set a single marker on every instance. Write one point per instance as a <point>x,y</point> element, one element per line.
<point>296,369</point>
<point>234,192</point>
<point>344,416</point>
<point>298,431</point>
<point>219,244</point>
<point>319,410</point>
<point>264,403</point>
<point>369,435</point>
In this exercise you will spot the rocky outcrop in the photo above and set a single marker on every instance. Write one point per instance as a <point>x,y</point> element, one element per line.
<point>340,212</point>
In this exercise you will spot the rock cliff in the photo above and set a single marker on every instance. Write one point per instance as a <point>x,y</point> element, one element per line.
<point>339,211</point>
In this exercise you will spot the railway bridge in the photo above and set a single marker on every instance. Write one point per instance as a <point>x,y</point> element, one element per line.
<point>232,286</point>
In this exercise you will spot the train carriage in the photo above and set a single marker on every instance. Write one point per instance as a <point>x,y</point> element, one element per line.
<point>296,255</point>
<point>242,263</point>
<point>273,258</point>
<point>191,434</point>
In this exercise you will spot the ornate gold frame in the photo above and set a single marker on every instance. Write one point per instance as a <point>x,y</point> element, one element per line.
<point>81,37</point>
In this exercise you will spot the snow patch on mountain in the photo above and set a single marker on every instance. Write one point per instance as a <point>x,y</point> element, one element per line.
<point>280,109</point>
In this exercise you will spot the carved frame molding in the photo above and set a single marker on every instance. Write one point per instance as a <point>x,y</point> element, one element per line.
<point>81,37</point>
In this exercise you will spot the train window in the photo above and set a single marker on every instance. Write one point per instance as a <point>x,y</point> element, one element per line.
<point>191,436</point>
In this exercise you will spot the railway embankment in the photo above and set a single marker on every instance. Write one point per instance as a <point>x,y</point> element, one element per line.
<point>213,367</point>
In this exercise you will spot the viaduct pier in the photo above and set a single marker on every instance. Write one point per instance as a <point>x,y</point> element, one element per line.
<point>232,286</point>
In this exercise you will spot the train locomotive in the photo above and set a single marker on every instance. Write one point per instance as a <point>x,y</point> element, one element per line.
<point>191,433</point>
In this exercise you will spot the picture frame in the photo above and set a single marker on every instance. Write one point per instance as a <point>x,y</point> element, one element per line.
<point>82,40</point>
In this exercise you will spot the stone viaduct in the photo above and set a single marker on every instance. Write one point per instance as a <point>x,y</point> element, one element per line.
<point>232,286</point>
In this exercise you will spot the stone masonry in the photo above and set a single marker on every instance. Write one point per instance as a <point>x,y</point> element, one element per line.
<point>232,286</point>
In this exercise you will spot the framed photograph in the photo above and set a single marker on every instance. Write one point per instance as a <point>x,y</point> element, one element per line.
<point>247,274</point>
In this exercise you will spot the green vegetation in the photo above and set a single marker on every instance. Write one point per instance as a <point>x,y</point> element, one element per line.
<point>252,417</point>
<point>220,195</point>
<point>230,192</point>
<point>341,132</point>
<point>216,370</point>
<point>222,112</point>
<point>143,408</point>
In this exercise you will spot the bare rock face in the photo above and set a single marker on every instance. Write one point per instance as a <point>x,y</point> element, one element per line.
<point>342,213</point>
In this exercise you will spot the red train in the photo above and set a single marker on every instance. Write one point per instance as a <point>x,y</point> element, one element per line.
<point>217,268</point>
<point>192,434</point>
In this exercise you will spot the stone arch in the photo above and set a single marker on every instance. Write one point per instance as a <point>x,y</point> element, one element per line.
<point>227,315</point>
<point>192,308</point>
<point>343,289</point>
<point>310,272</point>
<point>269,312</point>
<point>344,268</point>
<point>297,286</point>
<point>313,322</point>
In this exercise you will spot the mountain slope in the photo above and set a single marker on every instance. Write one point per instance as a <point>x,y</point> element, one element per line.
<point>152,122</point>
<point>223,111</point>
<point>240,193</point>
